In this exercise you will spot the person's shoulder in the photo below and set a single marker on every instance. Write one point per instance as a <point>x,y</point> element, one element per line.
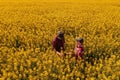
<point>56,38</point>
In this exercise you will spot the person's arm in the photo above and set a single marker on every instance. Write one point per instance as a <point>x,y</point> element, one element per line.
<point>81,52</point>
<point>54,43</point>
<point>63,42</point>
<point>75,51</point>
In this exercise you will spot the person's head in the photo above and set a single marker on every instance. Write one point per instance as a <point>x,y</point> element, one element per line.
<point>80,40</point>
<point>60,34</point>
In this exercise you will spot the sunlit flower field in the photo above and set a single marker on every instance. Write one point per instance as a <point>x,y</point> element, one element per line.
<point>27,29</point>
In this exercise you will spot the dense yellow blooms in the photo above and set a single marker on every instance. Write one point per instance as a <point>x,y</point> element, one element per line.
<point>27,29</point>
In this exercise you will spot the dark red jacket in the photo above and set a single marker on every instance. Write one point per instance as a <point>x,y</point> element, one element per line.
<point>57,43</point>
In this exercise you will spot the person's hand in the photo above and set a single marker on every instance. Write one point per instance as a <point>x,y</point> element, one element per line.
<point>62,49</point>
<point>60,54</point>
<point>75,52</point>
<point>57,52</point>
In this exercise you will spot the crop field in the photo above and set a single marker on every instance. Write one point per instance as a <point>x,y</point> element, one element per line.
<point>27,29</point>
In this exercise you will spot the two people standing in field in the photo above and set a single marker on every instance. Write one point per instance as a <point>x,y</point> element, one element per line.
<point>58,46</point>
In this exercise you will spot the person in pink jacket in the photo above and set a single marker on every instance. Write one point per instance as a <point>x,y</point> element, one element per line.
<point>79,48</point>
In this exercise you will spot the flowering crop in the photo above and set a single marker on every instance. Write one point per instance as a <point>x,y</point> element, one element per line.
<point>27,29</point>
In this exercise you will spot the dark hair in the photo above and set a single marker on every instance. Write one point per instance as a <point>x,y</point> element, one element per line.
<point>60,34</point>
<point>80,40</point>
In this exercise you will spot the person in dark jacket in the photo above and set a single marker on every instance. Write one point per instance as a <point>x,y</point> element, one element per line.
<point>58,43</point>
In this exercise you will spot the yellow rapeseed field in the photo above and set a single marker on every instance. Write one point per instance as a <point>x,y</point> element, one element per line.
<point>28,27</point>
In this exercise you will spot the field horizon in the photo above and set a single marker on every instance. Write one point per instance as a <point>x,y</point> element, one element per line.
<point>78,1</point>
